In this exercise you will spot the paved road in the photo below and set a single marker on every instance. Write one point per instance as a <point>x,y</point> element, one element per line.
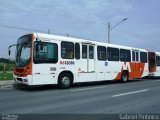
<point>139,96</point>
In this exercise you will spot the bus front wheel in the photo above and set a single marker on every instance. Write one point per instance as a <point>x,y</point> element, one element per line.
<point>64,81</point>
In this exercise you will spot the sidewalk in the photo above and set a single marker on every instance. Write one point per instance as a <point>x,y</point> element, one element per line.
<point>6,83</point>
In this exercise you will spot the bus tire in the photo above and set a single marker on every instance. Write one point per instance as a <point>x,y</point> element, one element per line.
<point>124,77</point>
<point>64,80</point>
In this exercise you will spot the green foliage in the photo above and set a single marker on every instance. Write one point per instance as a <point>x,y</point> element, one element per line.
<point>8,61</point>
<point>8,67</point>
<point>6,76</point>
<point>8,64</point>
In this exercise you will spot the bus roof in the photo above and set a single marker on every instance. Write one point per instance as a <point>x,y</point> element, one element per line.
<point>79,40</point>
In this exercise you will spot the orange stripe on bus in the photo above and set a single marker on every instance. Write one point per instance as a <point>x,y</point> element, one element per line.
<point>137,70</point>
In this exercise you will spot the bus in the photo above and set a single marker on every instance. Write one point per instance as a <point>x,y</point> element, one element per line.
<point>43,59</point>
<point>154,64</point>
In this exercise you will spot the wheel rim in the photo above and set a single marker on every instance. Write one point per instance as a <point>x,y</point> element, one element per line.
<point>66,81</point>
<point>124,77</point>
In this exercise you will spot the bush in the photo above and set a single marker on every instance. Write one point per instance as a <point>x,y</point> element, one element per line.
<point>8,67</point>
<point>6,76</point>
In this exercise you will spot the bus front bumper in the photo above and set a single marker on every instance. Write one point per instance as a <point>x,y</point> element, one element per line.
<point>23,80</point>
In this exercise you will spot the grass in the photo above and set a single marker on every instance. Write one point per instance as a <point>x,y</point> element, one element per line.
<point>6,76</point>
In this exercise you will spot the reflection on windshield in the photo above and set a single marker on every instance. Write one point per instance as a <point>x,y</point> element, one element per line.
<point>23,54</point>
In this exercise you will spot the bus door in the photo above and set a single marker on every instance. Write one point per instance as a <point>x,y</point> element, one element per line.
<point>88,61</point>
<point>137,60</point>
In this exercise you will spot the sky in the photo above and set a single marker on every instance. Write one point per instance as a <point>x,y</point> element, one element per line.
<point>87,19</point>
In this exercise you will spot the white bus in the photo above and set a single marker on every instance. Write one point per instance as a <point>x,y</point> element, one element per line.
<point>49,59</point>
<point>154,64</point>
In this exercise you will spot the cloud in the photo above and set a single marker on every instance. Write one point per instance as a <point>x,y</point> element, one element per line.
<point>84,18</point>
<point>93,12</point>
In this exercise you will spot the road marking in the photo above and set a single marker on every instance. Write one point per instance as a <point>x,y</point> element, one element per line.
<point>88,88</point>
<point>139,91</point>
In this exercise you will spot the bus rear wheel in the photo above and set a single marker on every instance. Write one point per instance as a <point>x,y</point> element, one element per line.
<point>124,76</point>
<point>64,81</point>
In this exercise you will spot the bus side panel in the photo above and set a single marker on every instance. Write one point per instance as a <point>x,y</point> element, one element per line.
<point>112,69</point>
<point>146,71</point>
<point>100,70</point>
<point>107,70</point>
<point>42,74</point>
<point>137,70</point>
<point>158,71</point>
<point>133,72</point>
<point>85,77</point>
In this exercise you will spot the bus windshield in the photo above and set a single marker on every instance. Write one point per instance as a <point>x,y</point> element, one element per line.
<point>23,51</point>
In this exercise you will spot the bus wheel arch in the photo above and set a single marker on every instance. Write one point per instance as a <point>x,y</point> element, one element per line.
<point>124,76</point>
<point>65,79</point>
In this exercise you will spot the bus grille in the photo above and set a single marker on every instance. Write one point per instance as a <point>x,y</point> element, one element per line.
<point>19,79</point>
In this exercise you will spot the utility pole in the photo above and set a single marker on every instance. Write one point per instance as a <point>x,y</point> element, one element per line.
<point>67,35</point>
<point>109,32</point>
<point>110,29</point>
<point>48,31</point>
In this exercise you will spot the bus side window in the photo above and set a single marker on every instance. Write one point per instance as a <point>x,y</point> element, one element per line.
<point>143,57</point>
<point>125,55</point>
<point>101,53</point>
<point>137,56</point>
<point>113,54</point>
<point>158,60</point>
<point>133,56</point>
<point>67,50</point>
<point>47,53</point>
<point>84,51</point>
<point>77,51</point>
<point>91,52</point>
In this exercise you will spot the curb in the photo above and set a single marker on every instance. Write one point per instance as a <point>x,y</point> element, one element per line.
<point>7,84</point>
<point>12,85</point>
